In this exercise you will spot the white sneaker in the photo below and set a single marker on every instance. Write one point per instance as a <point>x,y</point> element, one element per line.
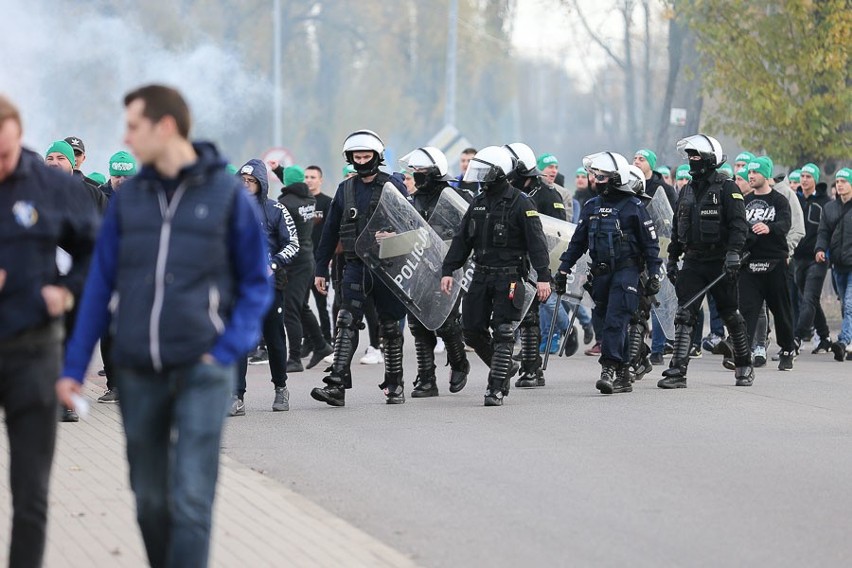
<point>439,346</point>
<point>372,356</point>
<point>329,358</point>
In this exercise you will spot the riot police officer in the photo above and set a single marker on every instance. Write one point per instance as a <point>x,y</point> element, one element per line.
<point>709,230</point>
<point>356,199</point>
<point>526,177</point>
<point>621,238</point>
<point>429,169</point>
<point>502,229</point>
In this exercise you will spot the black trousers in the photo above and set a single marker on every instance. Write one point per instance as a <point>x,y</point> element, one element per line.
<point>810,277</point>
<point>29,367</point>
<point>487,303</point>
<point>106,357</point>
<point>322,307</point>
<point>694,276</point>
<point>276,345</point>
<point>310,327</point>
<point>300,276</point>
<point>769,287</point>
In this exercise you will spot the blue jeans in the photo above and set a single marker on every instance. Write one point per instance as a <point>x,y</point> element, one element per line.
<point>173,423</point>
<point>843,283</point>
<point>545,314</point>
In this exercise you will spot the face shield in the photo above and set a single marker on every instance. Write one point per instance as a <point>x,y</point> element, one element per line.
<point>481,172</point>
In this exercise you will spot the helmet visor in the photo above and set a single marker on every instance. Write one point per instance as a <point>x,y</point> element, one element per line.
<point>480,172</point>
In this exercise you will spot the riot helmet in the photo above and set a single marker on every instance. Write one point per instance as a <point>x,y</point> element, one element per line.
<point>364,141</point>
<point>636,181</point>
<point>428,165</point>
<point>523,160</point>
<point>611,172</point>
<point>489,165</point>
<point>704,154</point>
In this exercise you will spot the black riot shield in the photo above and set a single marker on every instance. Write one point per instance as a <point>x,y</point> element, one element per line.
<point>402,250</point>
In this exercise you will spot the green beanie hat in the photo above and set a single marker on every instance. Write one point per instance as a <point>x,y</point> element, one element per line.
<point>795,175</point>
<point>844,173</point>
<point>547,160</point>
<point>744,157</point>
<point>293,174</point>
<point>581,171</point>
<point>742,173</point>
<point>63,148</point>
<point>348,169</point>
<point>761,165</point>
<point>122,164</point>
<point>232,169</point>
<point>98,177</point>
<point>726,168</point>
<point>664,171</point>
<point>812,169</point>
<point>649,156</point>
<point>682,172</point>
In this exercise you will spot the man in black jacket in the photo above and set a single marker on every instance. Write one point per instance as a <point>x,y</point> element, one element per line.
<point>40,209</point>
<point>646,160</point>
<point>834,244</point>
<point>764,278</point>
<point>810,274</point>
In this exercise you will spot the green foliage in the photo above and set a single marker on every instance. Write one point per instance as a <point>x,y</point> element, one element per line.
<point>779,70</point>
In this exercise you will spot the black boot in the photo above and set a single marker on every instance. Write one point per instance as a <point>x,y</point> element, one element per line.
<point>392,347</point>
<point>501,366</point>
<point>333,393</point>
<point>604,383</point>
<point>744,376</point>
<point>424,387</point>
<point>458,377</point>
<point>622,382</point>
<point>339,378</point>
<point>675,376</point>
<point>531,373</point>
<point>451,333</point>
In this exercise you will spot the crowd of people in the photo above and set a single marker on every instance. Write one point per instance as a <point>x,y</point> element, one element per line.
<point>185,270</point>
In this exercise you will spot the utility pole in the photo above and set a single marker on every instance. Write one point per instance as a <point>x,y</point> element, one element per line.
<point>452,34</point>
<point>277,135</point>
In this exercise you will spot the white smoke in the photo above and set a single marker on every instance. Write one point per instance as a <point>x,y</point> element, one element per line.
<point>68,69</point>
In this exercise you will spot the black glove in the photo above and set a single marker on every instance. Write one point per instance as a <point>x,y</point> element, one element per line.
<point>280,275</point>
<point>671,271</point>
<point>652,287</point>
<point>732,264</point>
<point>560,283</point>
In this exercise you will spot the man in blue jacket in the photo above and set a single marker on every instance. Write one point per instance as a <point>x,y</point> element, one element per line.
<point>182,248</point>
<point>40,209</point>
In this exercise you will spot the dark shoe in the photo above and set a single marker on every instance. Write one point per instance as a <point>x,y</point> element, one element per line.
<point>724,348</point>
<point>673,378</point>
<point>785,361</point>
<point>604,383</point>
<point>839,350</point>
<point>307,348</point>
<point>728,363</point>
<point>102,373</point>
<point>657,359</point>
<point>69,415</point>
<point>458,379</point>
<point>824,346</point>
<point>513,370</point>
<point>333,395</point>
<point>594,350</point>
<point>527,380</point>
<point>643,369</point>
<point>744,376</point>
<point>109,396</point>
<point>294,366</point>
<point>759,357</point>
<point>588,334</point>
<point>668,348</point>
<point>318,356</point>
<point>424,387</point>
<point>622,382</point>
<point>394,394</point>
<point>494,397</point>
<point>260,357</point>
<point>695,352</point>
<point>238,407</point>
<point>282,399</point>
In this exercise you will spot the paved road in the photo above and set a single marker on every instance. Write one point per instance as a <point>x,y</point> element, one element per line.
<point>711,475</point>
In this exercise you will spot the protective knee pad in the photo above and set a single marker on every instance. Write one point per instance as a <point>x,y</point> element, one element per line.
<point>425,351</point>
<point>530,340</point>
<point>481,343</point>
<point>635,341</point>
<point>505,333</point>
<point>451,333</point>
<point>735,323</point>
<point>392,341</point>
<point>501,364</point>
<point>684,317</point>
<point>345,345</point>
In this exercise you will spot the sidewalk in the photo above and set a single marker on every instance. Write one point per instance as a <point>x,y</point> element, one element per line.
<point>257,521</point>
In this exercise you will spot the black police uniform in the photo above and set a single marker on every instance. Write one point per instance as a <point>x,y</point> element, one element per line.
<point>425,201</point>
<point>502,229</point>
<point>621,239</point>
<point>352,206</point>
<point>547,201</point>
<point>709,223</point>
<point>638,351</point>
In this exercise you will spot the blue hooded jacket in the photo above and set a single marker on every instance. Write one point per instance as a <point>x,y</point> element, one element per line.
<point>188,261</point>
<point>278,226</point>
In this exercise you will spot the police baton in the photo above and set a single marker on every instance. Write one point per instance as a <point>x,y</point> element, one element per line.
<point>552,328</point>
<point>707,288</point>
<point>570,327</point>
